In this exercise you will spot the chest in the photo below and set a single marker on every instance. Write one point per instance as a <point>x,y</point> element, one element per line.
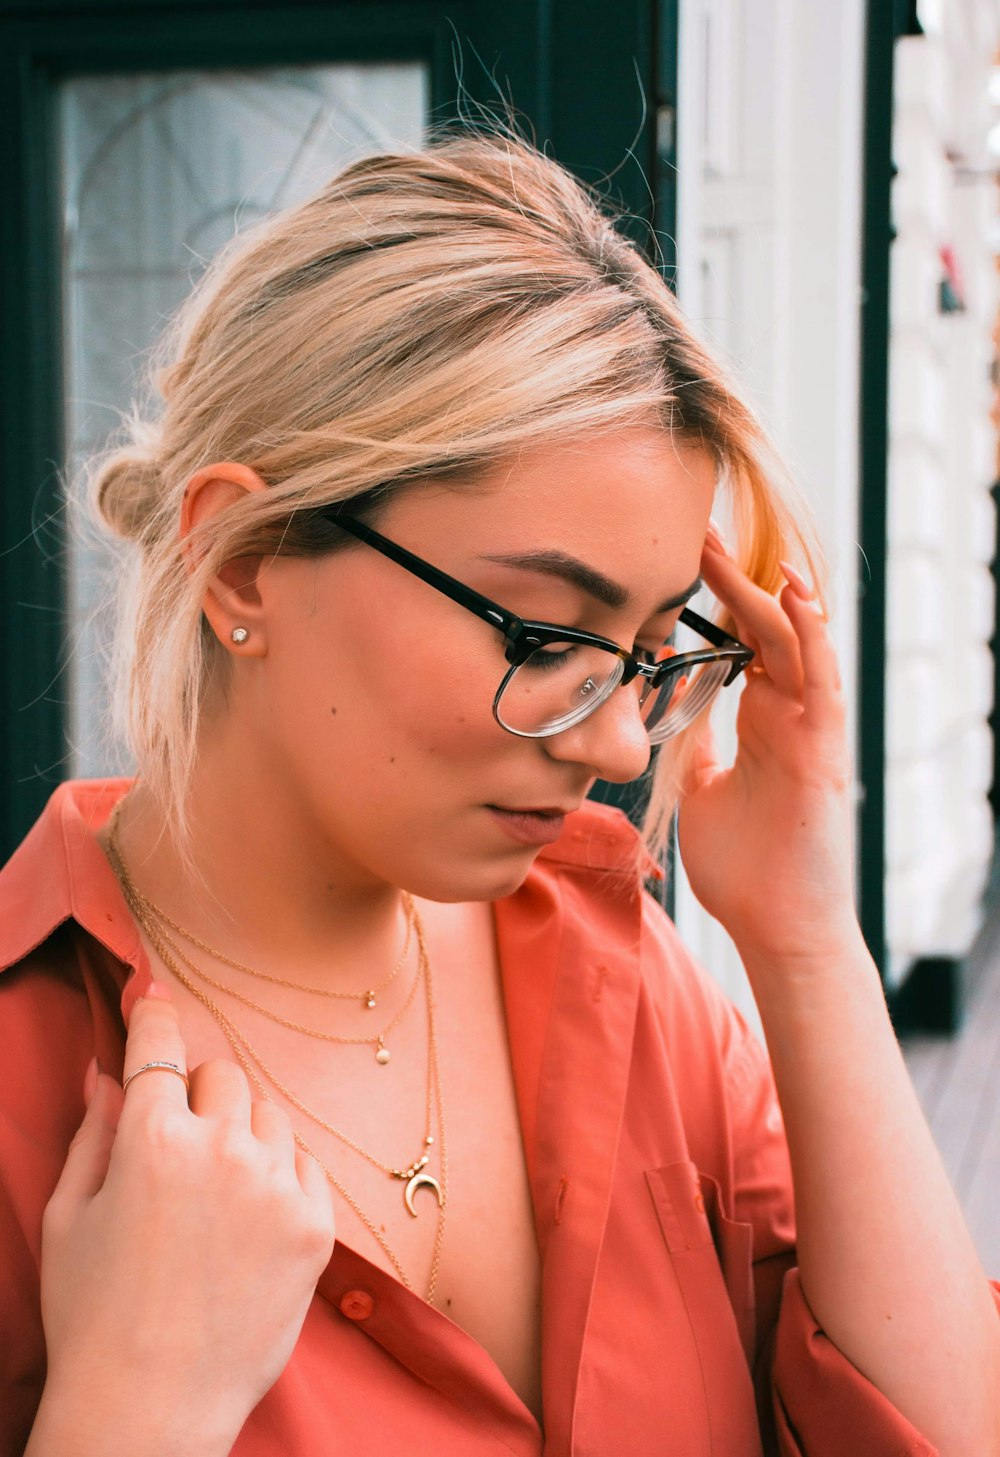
<point>480,1249</point>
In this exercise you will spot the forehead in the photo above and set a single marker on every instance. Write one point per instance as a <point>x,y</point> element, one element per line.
<point>624,501</point>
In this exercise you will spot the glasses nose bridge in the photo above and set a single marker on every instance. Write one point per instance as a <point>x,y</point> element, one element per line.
<point>654,675</point>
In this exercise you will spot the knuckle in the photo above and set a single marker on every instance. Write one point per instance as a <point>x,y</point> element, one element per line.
<point>276,1116</point>
<point>159,1137</point>
<point>317,1231</point>
<point>224,1069</point>
<point>225,1077</point>
<point>235,1153</point>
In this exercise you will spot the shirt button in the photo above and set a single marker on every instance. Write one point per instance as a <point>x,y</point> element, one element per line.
<point>356,1305</point>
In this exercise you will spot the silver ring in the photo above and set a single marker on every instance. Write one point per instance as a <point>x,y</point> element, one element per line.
<point>163,1067</point>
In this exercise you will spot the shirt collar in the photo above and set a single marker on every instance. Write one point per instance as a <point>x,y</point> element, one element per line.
<point>59,872</point>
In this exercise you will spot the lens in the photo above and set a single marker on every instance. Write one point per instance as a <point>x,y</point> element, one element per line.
<point>681,697</point>
<point>556,687</point>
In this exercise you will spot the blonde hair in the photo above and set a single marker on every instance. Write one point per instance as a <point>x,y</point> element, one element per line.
<point>425,314</point>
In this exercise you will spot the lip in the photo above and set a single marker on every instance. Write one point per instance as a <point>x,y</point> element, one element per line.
<point>535,809</point>
<point>531,826</point>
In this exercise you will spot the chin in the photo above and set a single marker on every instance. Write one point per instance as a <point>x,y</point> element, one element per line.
<point>486,880</point>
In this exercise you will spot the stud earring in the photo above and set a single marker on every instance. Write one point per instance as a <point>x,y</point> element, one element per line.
<point>239,634</point>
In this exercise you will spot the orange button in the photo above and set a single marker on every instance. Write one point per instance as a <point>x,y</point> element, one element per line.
<point>356,1305</point>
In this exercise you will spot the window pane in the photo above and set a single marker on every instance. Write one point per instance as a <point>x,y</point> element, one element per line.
<point>158,172</point>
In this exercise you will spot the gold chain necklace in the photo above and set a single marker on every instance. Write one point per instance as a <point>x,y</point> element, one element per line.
<point>247,1055</point>
<point>367,998</point>
<point>382,1054</point>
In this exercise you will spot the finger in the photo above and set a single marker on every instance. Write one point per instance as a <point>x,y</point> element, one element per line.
<point>703,765</point>
<point>797,582</point>
<point>315,1183</point>
<point>761,622</point>
<point>219,1089</point>
<point>154,1035</point>
<point>89,1154</point>
<point>820,669</point>
<point>271,1124</point>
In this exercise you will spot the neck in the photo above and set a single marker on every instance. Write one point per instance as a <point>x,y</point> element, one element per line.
<point>261,881</point>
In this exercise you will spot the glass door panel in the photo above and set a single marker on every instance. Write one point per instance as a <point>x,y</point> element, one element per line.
<point>158,172</point>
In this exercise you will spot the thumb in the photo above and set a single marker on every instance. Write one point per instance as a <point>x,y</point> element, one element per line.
<point>90,1152</point>
<point>703,764</point>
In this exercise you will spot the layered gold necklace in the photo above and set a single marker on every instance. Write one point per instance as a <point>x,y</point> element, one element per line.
<point>413,1176</point>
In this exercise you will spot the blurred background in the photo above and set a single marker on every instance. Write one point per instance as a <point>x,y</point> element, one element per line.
<point>818,181</point>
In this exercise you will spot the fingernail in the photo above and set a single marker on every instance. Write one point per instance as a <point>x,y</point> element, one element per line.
<point>158,991</point>
<point>90,1081</point>
<point>714,538</point>
<point>797,583</point>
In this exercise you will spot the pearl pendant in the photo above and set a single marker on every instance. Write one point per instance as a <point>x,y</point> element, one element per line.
<point>370,1000</point>
<point>382,1054</point>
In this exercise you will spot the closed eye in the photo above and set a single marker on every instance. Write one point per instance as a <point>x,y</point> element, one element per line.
<point>546,659</point>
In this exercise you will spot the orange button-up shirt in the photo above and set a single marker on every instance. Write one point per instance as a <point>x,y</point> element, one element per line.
<point>673,1321</point>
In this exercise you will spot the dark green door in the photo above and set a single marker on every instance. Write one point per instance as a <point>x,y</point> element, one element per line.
<point>94,100</point>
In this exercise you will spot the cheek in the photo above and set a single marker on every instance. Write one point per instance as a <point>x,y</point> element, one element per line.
<point>442,704</point>
<point>400,694</point>
<point>395,681</point>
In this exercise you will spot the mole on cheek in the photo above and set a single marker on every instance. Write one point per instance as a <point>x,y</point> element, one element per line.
<point>333,711</point>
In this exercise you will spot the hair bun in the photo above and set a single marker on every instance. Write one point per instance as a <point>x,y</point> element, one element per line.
<point>127,489</point>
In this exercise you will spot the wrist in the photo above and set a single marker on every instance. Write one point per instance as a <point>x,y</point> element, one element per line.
<point>831,959</point>
<point>75,1418</point>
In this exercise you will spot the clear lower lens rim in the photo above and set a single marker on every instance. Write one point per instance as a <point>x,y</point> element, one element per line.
<point>702,692</point>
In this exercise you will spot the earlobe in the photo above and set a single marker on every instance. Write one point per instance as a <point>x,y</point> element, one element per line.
<point>232,603</point>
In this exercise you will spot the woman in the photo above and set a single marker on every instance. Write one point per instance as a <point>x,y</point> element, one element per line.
<point>421,510</point>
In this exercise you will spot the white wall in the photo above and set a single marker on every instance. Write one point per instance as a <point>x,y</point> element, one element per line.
<point>941,521</point>
<point>770,123</point>
<point>770,133</point>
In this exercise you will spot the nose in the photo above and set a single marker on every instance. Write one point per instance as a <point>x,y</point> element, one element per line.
<point>612,742</point>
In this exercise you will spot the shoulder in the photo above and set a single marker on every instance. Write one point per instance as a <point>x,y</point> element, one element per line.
<point>59,874</point>
<point>66,944</point>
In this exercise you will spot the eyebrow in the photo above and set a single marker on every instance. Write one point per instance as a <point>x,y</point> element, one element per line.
<point>594,583</point>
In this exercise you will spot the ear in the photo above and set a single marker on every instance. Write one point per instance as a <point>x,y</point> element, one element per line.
<point>233,599</point>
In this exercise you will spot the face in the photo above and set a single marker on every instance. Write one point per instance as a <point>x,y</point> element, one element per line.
<point>373,702</point>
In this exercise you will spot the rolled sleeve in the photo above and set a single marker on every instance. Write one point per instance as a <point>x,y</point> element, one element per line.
<point>823,1405</point>
<point>812,1401</point>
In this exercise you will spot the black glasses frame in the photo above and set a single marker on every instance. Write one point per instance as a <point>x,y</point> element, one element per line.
<point>523,637</point>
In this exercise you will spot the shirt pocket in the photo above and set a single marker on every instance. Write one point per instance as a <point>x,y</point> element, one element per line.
<point>712,1258</point>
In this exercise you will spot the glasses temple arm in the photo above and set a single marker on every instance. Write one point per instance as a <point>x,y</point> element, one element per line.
<point>709,630</point>
<point>483,607</point>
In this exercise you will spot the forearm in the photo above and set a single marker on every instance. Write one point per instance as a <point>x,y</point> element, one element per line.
<point>885,1258</point>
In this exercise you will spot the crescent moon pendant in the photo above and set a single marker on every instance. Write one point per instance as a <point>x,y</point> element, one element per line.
<point>414,1184</point>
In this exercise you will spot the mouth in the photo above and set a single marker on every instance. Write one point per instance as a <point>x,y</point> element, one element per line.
<point>531,825</point>
<point>551,811</point>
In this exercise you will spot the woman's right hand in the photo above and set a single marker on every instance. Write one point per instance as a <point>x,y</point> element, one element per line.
<point>180,1249</point>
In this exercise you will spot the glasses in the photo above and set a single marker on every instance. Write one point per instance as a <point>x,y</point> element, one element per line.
<point>560,675</point>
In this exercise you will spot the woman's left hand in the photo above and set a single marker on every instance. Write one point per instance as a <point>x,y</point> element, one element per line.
<point>767,843</point>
